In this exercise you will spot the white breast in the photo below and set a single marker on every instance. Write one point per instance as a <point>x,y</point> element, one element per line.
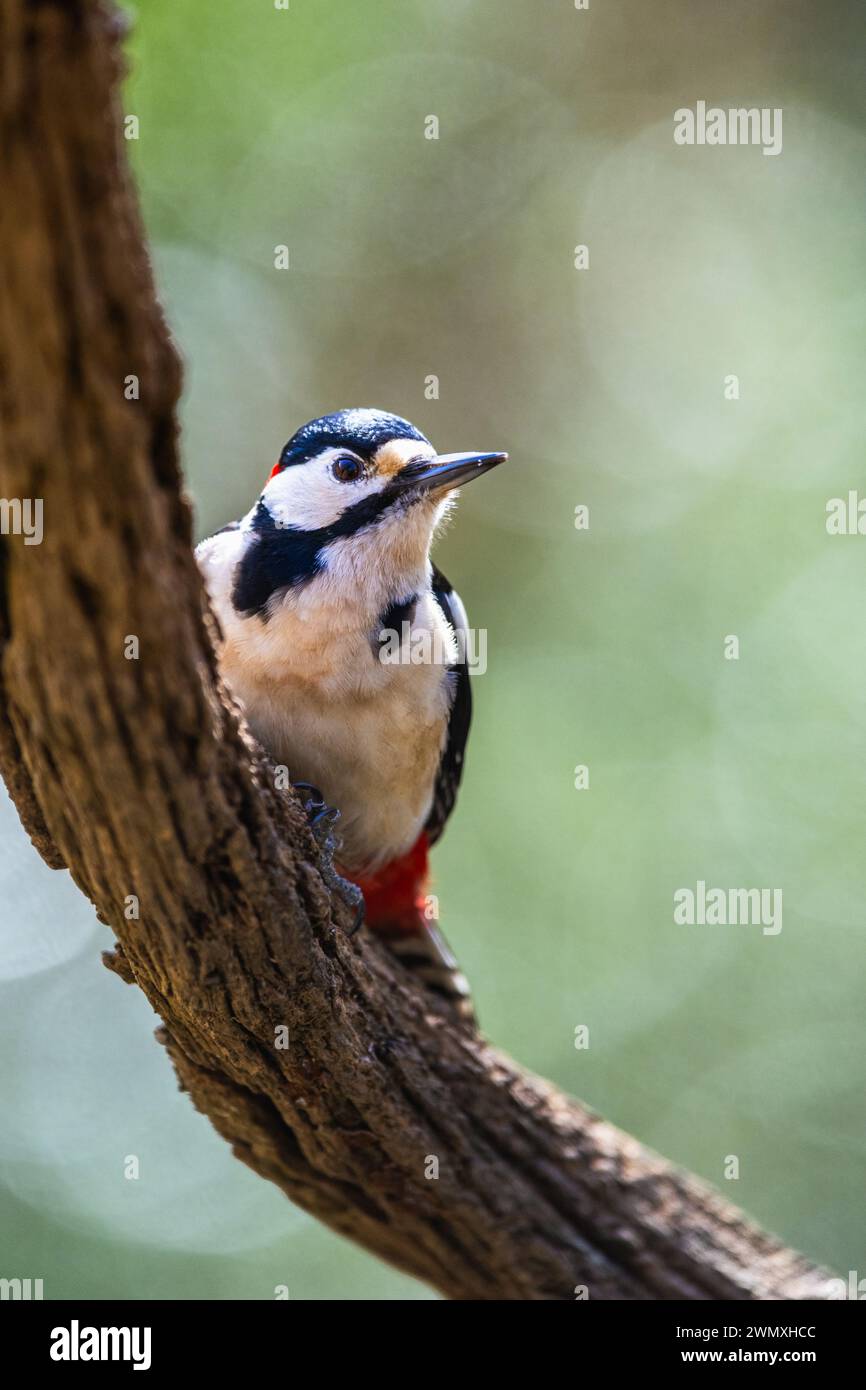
<point>318,697</point>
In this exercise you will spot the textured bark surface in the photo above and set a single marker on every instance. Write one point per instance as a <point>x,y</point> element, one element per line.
<point>138,775</point>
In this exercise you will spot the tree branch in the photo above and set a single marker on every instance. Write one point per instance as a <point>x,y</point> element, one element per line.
<point>139,775</point>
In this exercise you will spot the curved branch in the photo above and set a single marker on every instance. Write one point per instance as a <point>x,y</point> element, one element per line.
<point>138,775</point>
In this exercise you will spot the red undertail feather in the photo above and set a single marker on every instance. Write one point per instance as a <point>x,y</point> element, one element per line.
<point>396,896</point>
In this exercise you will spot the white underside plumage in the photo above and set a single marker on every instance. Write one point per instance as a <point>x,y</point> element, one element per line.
<point>316,694</point>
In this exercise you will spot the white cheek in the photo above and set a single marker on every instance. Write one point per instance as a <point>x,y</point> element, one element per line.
<point>308,496</point>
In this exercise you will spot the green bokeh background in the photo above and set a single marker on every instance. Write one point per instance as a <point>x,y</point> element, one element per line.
<point>455,258</point>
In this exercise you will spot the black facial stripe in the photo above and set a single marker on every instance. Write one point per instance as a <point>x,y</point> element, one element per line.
<point>285,557</point>
<point>361,431</point>
<point>277,558</point>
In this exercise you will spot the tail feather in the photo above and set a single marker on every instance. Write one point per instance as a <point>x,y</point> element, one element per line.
<point>427,954</point>
<point>397,904</point>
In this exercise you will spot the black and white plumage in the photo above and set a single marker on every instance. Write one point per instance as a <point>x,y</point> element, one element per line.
<point>324,591</point>
<point>460,715</point>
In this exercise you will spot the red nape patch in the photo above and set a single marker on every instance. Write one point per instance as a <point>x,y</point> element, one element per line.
<point>274,471</point>
<point>395,897</point>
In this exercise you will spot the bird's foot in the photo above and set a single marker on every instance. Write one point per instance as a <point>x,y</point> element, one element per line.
<point>322,819</point>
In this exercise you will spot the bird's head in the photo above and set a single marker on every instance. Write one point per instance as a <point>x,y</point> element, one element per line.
<point>354,492</point>
<point>352,469</point>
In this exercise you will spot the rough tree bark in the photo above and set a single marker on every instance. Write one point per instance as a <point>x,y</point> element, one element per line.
<point>139,776</point>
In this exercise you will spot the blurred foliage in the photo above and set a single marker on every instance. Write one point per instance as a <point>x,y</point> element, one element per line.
<point>455,257</point>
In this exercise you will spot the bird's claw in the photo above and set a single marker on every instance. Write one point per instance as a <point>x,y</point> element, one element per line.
<point>314,799</point>
<point>322,819</point>
<point>354,899</point>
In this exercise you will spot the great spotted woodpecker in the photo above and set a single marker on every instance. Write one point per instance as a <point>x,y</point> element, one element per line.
<point>310,588</point>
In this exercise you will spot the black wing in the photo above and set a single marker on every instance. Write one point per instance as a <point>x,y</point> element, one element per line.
<point>451,766</point>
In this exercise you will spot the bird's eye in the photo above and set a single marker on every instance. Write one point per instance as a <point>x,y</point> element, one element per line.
<point>347,470</point>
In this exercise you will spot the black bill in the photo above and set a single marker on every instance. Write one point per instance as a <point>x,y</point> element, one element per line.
<point>447,470</point>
